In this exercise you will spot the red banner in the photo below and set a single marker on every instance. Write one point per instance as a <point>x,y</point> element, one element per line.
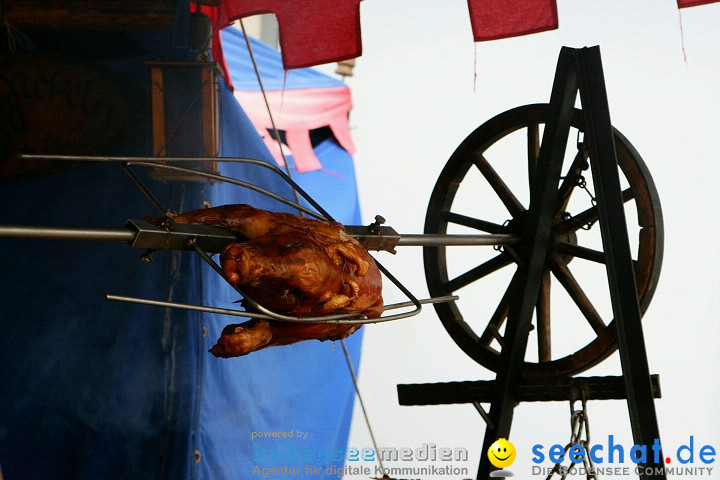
<point>693,3</point>
<point>493,19</point>
<point>311,31</point>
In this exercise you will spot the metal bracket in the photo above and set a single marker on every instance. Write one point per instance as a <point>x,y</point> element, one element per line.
<point>151,236</point>
<point>382,239</point>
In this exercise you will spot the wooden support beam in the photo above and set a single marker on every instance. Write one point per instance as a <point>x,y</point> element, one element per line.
<point>530,390</point>
<point>100,15</point>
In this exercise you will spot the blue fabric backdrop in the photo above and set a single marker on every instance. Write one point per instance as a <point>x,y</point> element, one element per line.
<point>92,389</point>
<point>272,72</point>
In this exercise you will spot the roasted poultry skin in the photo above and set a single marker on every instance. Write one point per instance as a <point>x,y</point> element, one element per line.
<point>292,265</point>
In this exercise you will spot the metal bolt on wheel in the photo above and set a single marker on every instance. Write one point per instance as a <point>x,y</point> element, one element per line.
<point>480,336</point>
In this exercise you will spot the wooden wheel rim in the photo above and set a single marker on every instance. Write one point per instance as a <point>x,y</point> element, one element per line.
<point>647,267</point>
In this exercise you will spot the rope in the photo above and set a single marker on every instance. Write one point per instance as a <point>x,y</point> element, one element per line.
<point>267,105</point>
<point>362,404</point>
<point>682,37</point>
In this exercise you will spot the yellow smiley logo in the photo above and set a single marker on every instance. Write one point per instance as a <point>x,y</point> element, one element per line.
<point>501,453</point>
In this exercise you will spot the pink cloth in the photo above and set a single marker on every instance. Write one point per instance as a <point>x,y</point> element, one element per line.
<point>297,112</point>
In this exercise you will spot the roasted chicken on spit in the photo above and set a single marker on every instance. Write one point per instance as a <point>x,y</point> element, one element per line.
<point>291,265</point>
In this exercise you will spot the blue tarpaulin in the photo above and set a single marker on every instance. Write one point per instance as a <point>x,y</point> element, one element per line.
<point>93,389</point>
<point>273,74</point>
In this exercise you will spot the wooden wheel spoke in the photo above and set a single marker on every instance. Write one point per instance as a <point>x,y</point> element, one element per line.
<point>478,272</point>
<point>543,319</point>
<point>498,185</point>
<point>581,252</point>
<point>492,330</point>
<point>570,181</point>
<point>476,223</point>
<point>584,253</point>
<point>568,281</point>
<point>587,216</point>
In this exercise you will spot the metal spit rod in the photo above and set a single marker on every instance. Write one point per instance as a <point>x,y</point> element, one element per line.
<point>143,234</point>
<point>37,232</point>
<point>430,240</point>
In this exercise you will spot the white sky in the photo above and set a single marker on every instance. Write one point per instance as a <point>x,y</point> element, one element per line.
<point>416,100</point>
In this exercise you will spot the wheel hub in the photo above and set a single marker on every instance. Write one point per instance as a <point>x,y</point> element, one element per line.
<point>521,253</point>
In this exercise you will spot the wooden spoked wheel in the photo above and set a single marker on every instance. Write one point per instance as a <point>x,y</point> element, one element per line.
<point>484,188</point>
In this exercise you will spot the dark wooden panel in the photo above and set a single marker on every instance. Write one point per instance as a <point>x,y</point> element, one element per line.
<point>105,15</point>
<point>54,106</point>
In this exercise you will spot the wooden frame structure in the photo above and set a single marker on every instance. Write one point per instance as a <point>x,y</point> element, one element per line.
<point>578,70</point>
